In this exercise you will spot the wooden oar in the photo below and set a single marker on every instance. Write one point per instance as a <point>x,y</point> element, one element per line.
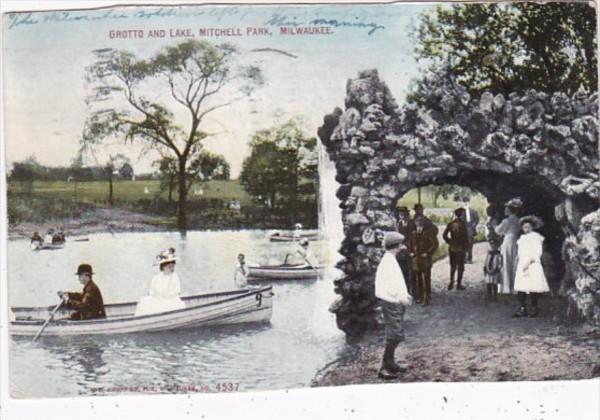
<point>47,322</point>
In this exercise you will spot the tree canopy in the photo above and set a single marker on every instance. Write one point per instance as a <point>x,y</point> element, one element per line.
<point>136,99</point>
<point>282,166</point>
<point>512,47</point>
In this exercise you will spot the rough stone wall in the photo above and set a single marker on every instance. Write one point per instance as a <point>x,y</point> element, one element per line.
<point>542,147</point>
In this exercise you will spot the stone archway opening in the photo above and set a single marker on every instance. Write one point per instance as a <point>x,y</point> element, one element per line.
<point>539,147</point>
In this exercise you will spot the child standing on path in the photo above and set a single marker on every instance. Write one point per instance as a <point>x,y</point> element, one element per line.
<point>390,288</point>
<point>492,270</point>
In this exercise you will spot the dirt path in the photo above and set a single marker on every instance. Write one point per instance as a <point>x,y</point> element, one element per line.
<point>461,337</point>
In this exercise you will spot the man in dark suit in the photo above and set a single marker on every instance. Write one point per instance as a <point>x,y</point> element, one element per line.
<point>422,244</point>
<point>456,236</point>
<point>472,220</point>
<point>88,304</point>
<point>405,227</point>
<point>427,223</point>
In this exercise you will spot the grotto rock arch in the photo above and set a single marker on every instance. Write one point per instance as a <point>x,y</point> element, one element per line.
<point>541,147</point>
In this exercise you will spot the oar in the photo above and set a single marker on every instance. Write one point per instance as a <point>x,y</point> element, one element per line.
<point>47,322</point>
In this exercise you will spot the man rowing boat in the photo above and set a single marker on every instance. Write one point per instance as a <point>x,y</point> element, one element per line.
<point>88,304</point>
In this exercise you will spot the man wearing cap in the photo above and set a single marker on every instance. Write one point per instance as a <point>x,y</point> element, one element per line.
<point>456,236</point>
<point>390,289</point>
<point>405,226</point>
<point>88,304</point>
<point>422,243</point>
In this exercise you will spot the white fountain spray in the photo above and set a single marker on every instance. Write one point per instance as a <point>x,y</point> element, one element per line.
<point>330,217</point>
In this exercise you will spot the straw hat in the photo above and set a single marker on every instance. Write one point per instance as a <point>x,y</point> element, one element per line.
<point>514,202</point>
<point>534,221</point>
<point>166,256</point>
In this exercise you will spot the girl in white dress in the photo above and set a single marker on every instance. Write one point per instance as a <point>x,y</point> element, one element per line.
<point>509,228</point>
<point>165,288</point>
<point>530,279</point>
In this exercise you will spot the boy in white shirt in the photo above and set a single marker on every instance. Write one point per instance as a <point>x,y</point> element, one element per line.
<point>390,288</point>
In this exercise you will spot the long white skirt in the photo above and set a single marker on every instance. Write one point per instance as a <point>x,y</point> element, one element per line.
<point>509,266</point>
<point>153,305</point>
<point>531,280</point>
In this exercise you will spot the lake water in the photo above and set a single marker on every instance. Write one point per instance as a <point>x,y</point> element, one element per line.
<point>301,338</point>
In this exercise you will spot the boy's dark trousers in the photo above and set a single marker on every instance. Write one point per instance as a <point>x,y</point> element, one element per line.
<point>457,268</point>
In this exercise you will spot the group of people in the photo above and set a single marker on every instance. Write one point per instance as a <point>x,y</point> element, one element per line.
<point>420,241</point>
<point>165,286</point>
<point>52,237</point>
<point>514,260</point>
<point>513,263</point>
<point>163,294</point>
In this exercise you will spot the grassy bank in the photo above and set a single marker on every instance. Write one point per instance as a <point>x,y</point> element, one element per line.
<point>208,204</point>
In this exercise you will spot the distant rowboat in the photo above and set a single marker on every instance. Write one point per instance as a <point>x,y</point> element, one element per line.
<point>231,307</point>
<point>283,272</point>
<point>40,246</point>
<point>290,237</point>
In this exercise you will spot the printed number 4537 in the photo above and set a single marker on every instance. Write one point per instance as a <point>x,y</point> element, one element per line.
<point>227,386</point>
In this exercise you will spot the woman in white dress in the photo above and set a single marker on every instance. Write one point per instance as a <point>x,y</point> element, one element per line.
<point>510,229</point>
<point>530,279</point>
<point>165,288</point>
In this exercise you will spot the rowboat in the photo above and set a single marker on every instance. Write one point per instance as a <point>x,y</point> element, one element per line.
<point>290,237</point>
<point>39,246</point>
<point>283,272</point>
<point>203,310</point>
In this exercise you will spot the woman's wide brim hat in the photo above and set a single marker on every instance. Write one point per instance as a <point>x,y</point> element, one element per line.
<point>534,221</point>
<point>514,202</point>
<point>167,256</point>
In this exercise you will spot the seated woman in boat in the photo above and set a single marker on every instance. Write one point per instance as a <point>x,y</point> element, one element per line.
<point>308,257</point>
<point>88,304</point>
<point>49,236</point>
<point>165,288</point>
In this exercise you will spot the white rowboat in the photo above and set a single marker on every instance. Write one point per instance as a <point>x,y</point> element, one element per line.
<point>289,237</point>
<point>283,272</point>
<point>39,246</point>
<point>231,307</point>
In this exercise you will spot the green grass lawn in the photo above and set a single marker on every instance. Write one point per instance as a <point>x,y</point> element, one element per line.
<point>478,201</point>
<point>97,191</point>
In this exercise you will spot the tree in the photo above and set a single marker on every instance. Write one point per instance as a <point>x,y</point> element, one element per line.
<point>195,76</point>
<point>126,171</point>
<point>205,167</point>
<point>282,162</point>
<point>167,172</point>
<point>512,47</point>
<point>25,172</point>
<point>114,162</point>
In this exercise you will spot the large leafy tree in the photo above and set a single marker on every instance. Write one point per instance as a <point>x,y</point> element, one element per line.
<point>512,47</point>
<point>204,167</point>
<point>137,99</point>
<point>282,166</point>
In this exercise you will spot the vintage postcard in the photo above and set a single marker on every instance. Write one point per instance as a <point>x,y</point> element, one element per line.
<point>207,199</point>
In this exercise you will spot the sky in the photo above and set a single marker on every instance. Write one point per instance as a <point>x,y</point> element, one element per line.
<point>45,55</point>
